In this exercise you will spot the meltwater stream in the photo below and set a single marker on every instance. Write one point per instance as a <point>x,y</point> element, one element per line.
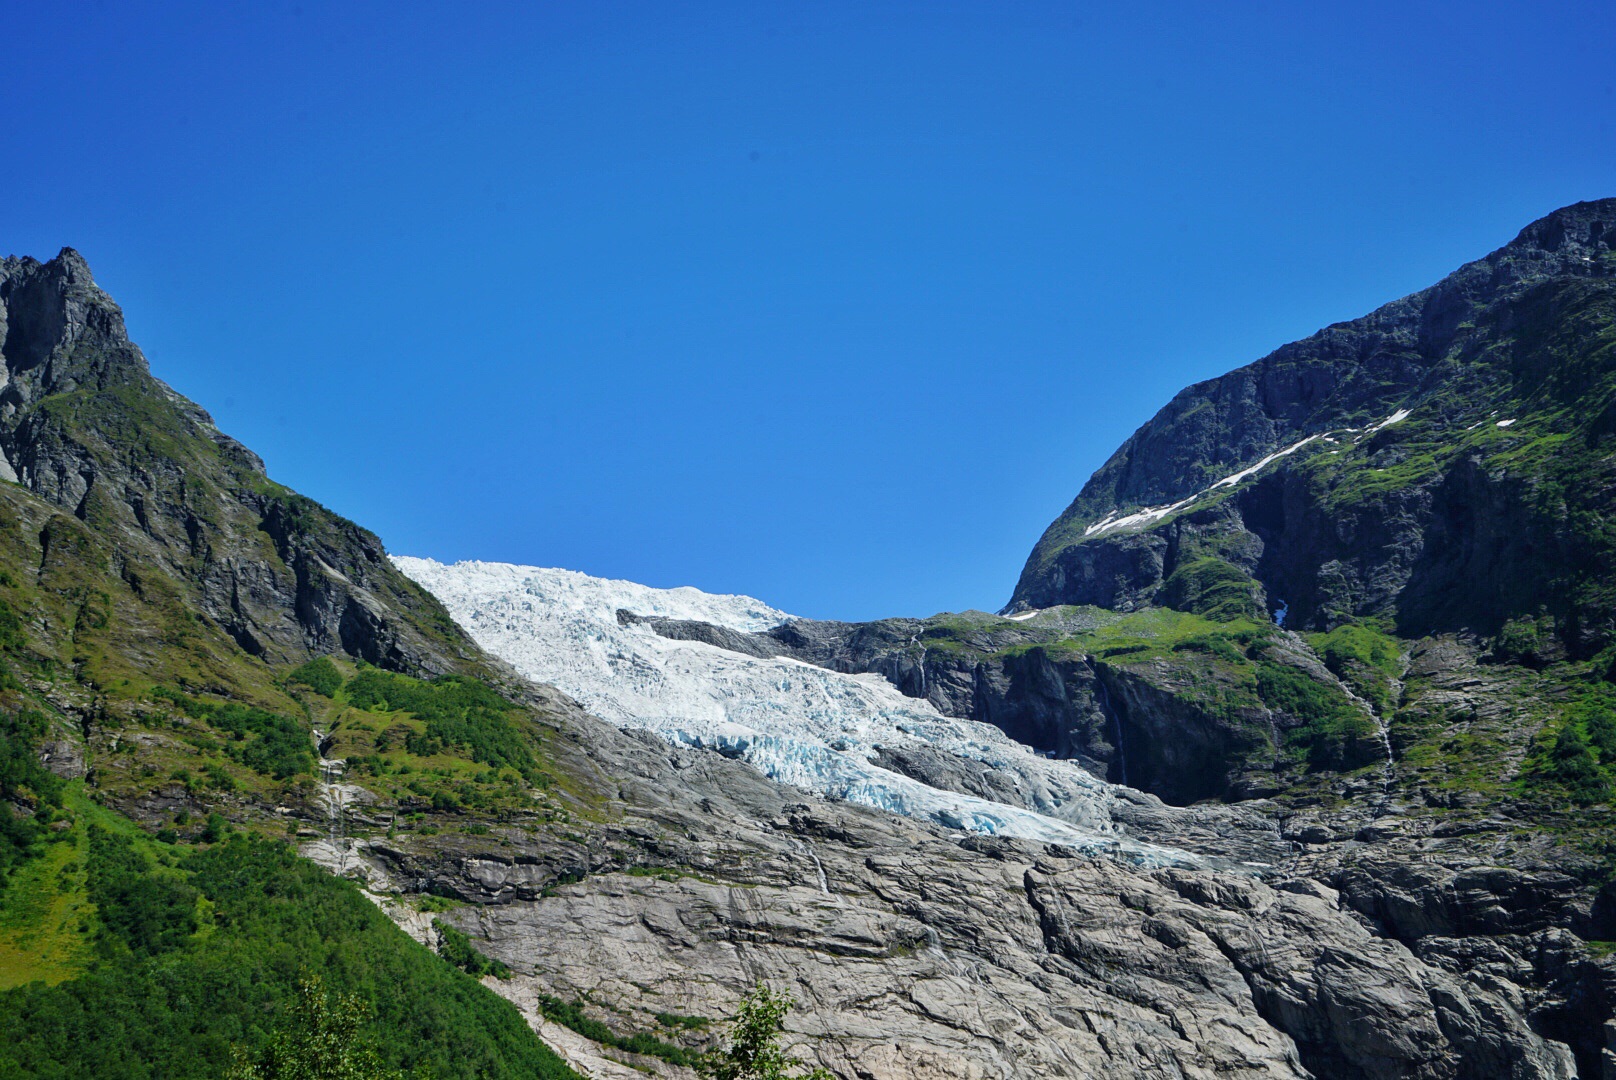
<point>796,723</point>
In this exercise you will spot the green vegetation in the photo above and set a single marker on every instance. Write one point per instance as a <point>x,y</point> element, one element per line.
<point>198,951</point>
<point>1579,760</point>
<point>1334,734</point>
<point>460,712</point>
<point>1571,764</point>
<point>319,675</point>
<point>1365,659</point>
<point>455,947</point>
<point>572,1015</point>
<point>1522,640</point>
<point>753,1045</point>
<point>1159,633</point>
<point>24,782</point>
<point>1211,587</point>
<point>320,1037</point>
<point>280,746</point>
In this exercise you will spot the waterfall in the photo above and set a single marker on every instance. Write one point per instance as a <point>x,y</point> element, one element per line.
<point>331,772</point>
<point>819,868</point>
<point>1107,710</point>
<point>914,639</point>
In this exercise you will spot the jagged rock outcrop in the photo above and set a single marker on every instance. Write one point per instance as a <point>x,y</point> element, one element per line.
<point>85,426</point>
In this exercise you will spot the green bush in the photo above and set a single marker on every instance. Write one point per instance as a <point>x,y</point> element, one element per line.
<point>1571,764</point>
<point>459,712</point>
<point>455,947</point>
<point>1522,641</point>
<point>319,675</point>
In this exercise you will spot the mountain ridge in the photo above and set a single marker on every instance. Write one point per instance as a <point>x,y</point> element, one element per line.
<point>1388,428</point>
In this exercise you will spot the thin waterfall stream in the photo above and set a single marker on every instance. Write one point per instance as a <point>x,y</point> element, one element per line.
<point>1109,711</point>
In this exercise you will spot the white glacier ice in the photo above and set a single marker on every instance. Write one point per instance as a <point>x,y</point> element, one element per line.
<point>797,723</point>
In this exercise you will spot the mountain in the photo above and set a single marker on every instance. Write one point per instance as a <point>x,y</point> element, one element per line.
<point>188,510</point>
<point>1442,464</point>
<point>1360,586</point>
<point>239,743</point>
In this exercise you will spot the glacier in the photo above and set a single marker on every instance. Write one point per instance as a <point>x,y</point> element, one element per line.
<point>796,723</point>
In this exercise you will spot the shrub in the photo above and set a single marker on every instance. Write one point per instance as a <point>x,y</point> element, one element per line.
<point>1571,765</point>
<point>319,675</point>
<point>753,1051</point>
<point>455,947</point>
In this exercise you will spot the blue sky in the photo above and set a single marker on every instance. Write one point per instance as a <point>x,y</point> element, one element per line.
<point>837,304</point>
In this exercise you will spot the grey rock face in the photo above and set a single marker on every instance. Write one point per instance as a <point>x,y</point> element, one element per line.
<point>913,953</point>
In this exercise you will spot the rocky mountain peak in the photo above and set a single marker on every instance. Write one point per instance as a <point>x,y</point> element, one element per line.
<point>1581,232</point>
<point>1400,404</point>
<point>85,426</point>
<point>58,331</point>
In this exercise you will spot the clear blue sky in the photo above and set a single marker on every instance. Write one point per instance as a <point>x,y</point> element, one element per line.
<point>837,304</point>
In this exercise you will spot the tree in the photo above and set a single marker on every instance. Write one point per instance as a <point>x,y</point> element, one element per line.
<point>319,1040</point>
<point>754,1050</point>
<point>1572,763</point>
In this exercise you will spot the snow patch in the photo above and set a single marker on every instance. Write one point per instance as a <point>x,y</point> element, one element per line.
<point>1116,520</point>
<point>1023,616</point>
<point>1234,478</point>
<point>1504,423</point>
<point>1395,418</point>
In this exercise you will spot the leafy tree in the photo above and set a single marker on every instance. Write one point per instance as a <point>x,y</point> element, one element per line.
<point>319,1040</point>
<point>456,947</point>
<point>1571,763</point>
<point>754,1050</point>
<point>319,675</point>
